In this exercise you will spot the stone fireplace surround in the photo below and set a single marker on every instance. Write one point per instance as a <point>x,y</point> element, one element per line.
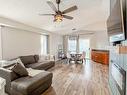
<point>118,56</point>
<point>119,77</point>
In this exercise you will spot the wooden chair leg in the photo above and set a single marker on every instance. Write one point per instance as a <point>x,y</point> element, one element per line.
<point>69,60</point>
<point>85,60</point>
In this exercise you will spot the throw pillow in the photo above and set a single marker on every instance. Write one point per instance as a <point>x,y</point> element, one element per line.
<point>20,70</point>
<point>34,72</point>
<point>17,60</point>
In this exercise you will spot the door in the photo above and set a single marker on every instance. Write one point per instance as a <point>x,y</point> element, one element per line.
<point>84,45</point>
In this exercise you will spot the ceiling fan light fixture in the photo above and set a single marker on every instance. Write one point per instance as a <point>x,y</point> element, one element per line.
<point>58,18</point>
<point>59,15</point>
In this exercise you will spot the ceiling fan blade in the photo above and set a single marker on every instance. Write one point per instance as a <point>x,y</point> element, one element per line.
<point>68,17</point>
<point>52,6</point>
<point>46,14</point>
<point>73,8</point>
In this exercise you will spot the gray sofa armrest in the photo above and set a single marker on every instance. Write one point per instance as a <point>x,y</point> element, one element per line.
<point>6,74</point>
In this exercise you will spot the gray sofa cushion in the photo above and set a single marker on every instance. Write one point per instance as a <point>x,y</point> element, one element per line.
<point>28,59</point>
<point>26,85</point>
<point>20,70</point>
<point>13,75</point>
<point>41,65</point>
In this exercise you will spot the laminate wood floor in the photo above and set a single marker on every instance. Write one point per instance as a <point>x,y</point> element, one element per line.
<point>89,78</point>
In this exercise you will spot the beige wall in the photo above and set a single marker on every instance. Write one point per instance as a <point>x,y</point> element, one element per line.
<point>20,39</point>
<point>100,40</point>
<point>92,43</point>
<point>17,42</point>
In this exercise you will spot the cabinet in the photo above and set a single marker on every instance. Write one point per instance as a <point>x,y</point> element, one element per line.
<point>100,56</point>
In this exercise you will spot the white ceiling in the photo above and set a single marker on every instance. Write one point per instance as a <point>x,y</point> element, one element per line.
<point>91,14</point>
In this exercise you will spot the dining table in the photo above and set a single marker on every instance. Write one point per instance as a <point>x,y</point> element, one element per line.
<point>76,57</point>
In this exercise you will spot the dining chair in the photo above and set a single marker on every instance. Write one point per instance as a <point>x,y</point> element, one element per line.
<point>84,55</point>
<point>70,57</point>
<point>79,58</point>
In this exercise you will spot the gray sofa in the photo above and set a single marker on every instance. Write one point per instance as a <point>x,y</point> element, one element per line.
<point>32,61</point>
<point>28,85</point>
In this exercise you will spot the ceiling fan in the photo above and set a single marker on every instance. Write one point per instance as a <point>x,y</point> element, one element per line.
<point>59,15</point>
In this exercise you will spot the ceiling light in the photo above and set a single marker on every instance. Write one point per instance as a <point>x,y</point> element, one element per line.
<point>58,18</point>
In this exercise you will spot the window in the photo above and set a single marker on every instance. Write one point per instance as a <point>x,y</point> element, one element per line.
<point>44,44</point>
<point>84,46</point>
<point>72,43</point>
<point>79,45</point>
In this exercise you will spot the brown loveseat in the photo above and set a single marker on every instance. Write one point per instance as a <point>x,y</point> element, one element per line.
<point>33,61</point>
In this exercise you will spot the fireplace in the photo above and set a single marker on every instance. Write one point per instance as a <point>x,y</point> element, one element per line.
<point>119,77</point>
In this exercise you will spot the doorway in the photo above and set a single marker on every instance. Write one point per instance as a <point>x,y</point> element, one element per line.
<point>84,45</point>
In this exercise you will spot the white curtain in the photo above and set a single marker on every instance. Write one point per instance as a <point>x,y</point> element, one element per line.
<point>65,44</point>
<point>44,44</point>
<point>71,44</point>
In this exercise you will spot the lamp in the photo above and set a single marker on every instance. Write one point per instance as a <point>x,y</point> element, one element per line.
<point>58,18</point>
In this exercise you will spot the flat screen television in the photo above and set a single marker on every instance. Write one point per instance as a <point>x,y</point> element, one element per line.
<point>116,22</point>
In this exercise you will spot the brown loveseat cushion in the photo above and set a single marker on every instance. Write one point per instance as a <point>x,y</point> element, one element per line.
<point>28,59</point>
